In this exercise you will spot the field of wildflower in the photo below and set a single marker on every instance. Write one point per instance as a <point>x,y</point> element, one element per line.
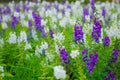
<point>59,41</point>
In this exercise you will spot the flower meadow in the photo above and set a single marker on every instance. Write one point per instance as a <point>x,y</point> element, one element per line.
<point>59,41</point>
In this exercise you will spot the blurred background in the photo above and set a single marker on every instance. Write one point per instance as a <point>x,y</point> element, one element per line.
<point>85,1</point>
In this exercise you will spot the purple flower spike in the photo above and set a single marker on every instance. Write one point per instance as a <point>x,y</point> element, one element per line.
<point>30,25</point>
<point>90,60</point>
<point>51,33</point>
<point>64,56</point>
<point>0,19</point>
<point>103,12</point>
<point>96,33</point>
<point>106,41</point>
<point>114,57</point>
<point>78,33</point>
<point>85,12</point>
<point>85,55</point>
<point>110,76</point>
<point>92,5</point>
<point>14,22</point>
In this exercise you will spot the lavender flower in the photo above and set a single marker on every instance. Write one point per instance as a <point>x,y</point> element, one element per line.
<point>43,32</point>
<point>0,19</point>
<point>96,33</point>
<point>51,33</point>
<point>14,22</point>
<point>103,12</point>
<point>37,19</point>
<point>110,76</point>
<point>85,55</point>
<point>85,13</point>
<point>92,5</point>
<point>114,57</point>
<point>30,25</point>
<point>64,56</point>
<point>90,60</point>
<point>78,33</point>
<point>17,8</point>
<point>106,41</point>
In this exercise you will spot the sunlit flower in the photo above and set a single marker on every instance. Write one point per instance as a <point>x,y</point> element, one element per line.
<point>59,72</point>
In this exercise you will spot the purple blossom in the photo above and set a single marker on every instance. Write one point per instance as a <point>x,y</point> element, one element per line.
<point>78,33</point>
<point>114,56</point>
<point>7,10</point>
<point>90,60</point>
<point>96,32</point>
<point>106,41</point>
<point>63,12</point>
<point>85,55</point>
<point>25,7</point>
<point>103,12</point>
<point>92,5</point>
<point>0,19</point>
<point>110,76</point>
<point>64,56</point>
<point>51,33</point>
<point>38,25</point>
<point>30,25</point>
<point>37,19</point>
<point>14,22</point>
<point>43,32</point>
<point>17,8</point>
<point>85,13</point>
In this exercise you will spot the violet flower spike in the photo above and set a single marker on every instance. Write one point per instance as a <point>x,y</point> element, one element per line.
<point>106,41</point>
<point>64,56</point>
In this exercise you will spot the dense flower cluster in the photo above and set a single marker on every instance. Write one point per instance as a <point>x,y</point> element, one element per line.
<point>32,33</point>
<point>78,33</point>
<point>96,32</point>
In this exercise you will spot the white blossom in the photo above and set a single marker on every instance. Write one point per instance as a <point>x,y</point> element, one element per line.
<point>59,72</point>
<point>34,35</point>
<point>4,25</point>
<point>13,38</point>
<point>27,46</point>
<point>60,15</point>
<point>22,37</point>
<point>74,53</point>
<point>39,50</point>
<point>1,42</point>
<point>2,71</point>
<point>59,37</point>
